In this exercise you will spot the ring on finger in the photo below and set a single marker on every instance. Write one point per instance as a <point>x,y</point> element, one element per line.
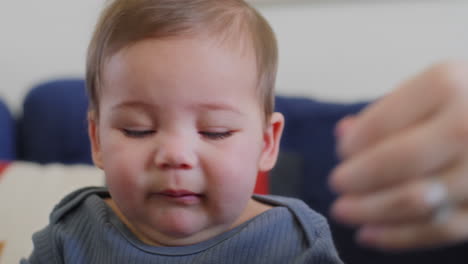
<point>437,197</point>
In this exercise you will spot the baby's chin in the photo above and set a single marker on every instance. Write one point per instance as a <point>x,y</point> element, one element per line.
<point>185,229</point>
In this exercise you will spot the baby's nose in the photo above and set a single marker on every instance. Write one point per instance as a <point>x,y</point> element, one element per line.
<point>175,153</point>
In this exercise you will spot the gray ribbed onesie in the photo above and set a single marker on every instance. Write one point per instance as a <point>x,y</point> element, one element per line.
<point>83,229</point>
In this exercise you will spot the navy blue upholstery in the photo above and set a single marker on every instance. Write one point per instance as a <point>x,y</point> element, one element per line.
<point>7,134</point>
<point>309,133</point>
<point>53,129</point>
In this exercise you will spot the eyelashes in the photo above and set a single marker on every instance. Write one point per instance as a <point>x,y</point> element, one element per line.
<point>216,135</point>
<point>137,133</point>
<point>207,134</point>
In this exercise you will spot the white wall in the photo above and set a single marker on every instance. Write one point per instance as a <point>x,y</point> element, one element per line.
<point>362,50</point>
<point>339,51</point>
<point>41,40</point>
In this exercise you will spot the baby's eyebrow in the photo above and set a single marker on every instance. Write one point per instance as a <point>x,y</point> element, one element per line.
<point>220,106</point>
<point>133,104</point>
<point>145,106</point>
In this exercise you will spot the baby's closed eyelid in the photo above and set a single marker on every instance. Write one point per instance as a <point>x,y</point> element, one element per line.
<point>217,135</point>
<point>137,133</point>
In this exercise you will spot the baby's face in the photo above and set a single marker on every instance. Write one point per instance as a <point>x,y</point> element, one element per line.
<point>180,136</point>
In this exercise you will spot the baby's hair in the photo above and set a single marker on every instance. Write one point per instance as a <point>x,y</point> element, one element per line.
<point>124,22</point>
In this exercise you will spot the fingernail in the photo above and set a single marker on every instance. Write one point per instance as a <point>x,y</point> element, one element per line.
<point>342,129</point>
<point>368,235</point>
<point>341,210</point>
<point>336,180</point>
<point>343,126</point>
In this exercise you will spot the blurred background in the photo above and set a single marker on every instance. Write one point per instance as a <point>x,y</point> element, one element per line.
<point>331,50</point>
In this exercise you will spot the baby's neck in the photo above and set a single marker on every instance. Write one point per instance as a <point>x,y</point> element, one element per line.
<point>253,209</point>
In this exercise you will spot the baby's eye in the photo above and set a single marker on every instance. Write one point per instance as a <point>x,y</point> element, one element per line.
<point>216,135</point>
<point>137,133</point>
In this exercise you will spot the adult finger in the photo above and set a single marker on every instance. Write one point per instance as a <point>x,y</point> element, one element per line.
<point>413,102</point>
<point>404,202</point>
<point>416,151</point>
<point>418,234</point>
<point>410,201</point>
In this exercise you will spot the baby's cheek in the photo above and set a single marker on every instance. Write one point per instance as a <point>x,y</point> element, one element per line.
<point>124,178</point>
<point>231,187</point>
<point>125,191</point>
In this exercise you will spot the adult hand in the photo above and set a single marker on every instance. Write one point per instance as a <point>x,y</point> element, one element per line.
<point>404,175</point>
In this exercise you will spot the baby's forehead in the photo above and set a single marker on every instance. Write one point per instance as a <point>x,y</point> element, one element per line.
<point>187,72</point>
<point>198,58</point>
<point>239,44</point>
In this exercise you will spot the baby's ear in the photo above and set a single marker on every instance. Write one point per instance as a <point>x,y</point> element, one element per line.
<point>93,133</point>
<point>271,139</point>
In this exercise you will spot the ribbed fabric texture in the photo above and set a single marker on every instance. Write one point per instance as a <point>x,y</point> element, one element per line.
<point>83,229</point>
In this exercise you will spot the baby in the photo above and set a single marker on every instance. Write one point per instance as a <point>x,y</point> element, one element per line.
<point>181,121</point>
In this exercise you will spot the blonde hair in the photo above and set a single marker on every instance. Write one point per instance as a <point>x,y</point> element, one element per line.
<point>124,22</point>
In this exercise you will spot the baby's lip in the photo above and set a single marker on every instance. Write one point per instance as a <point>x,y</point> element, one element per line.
<point>181,197</point>
<point>178,193</point>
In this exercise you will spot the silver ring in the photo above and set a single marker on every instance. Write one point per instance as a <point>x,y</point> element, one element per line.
<point>437,197</point>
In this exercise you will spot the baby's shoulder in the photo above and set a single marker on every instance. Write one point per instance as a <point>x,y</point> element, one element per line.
<point>304,219</point>
<point>75,221</point>
<point>84,201</point>
<point>296,231</point>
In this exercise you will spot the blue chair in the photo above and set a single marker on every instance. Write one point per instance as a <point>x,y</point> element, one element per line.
<point>7,134</point>
<point>53,127</point>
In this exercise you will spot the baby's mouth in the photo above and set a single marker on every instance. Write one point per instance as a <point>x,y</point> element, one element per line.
<point>183,197</point>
